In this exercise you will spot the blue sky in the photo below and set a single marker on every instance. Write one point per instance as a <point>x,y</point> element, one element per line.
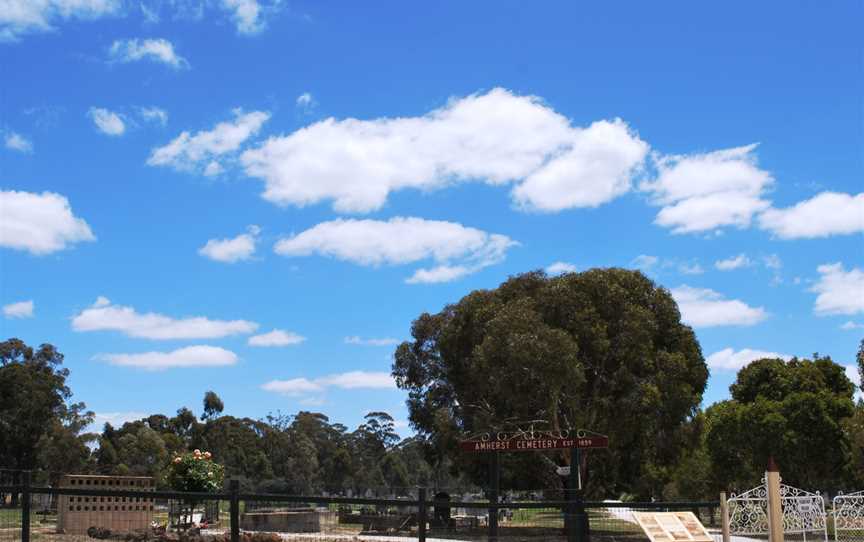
<point>257,197</point>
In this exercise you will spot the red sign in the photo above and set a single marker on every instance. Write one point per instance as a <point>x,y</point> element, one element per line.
<point>520,444</point>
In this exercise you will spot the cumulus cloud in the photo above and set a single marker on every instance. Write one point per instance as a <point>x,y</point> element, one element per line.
<point>16,142</point>
<point>732,360</point>
<point>21,309</point>
<point>246,15</point>
<point>154,114</point>
<point>386,341</point>
<point>703,192</point>
<point>20,17</point>
<point>498,138</point>
<point>458,250</point>
<point>703,307</point>
<point>107,122</point>
<point>850,325</point>
<point>305,101</point>
<point>690,268</point>
<point>645,262</point>
<point>839,291</point>
<point>189,356</point>
<point>828,213</point>
<point>558,268</point>
<point>734,262</point>
<point>277,337</point>
<point>116,419</point>
<point>39,223</point>
<point>155,50</point>
<point>352,380</point>
<point>105,316</point>
<point>853,375</point>
<point>203,150</point>
<point>233,249</point>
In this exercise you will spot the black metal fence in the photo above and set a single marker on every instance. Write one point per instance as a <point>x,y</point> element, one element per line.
<point>51,514</point>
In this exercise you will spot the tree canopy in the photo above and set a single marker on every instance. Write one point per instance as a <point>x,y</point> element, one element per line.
<point>37,425</point>
<point>576,350</point>
<point>795,411</point>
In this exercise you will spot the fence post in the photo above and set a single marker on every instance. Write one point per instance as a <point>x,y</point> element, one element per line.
<point>234,487</point>
<point>25,506</point>
<point>421,514</point>
<point>493,497</point>
<point>724,517</point>
<point>775,504</point>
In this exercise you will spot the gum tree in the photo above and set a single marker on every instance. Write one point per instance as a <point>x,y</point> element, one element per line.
<point>603,350</point>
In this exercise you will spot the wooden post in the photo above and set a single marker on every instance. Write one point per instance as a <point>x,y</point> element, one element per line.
<point>421,515</point>
<point>775,503</point>
<point>234,487</point>
<point>724,517</point>
<point>25,506</point>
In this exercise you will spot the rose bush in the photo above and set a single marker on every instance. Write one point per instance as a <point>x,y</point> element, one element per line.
<point>196,472</point>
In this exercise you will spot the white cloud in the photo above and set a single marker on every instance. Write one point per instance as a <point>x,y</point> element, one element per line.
<point>21,309</point>
<point>108,122</point>
<point>853,375</point>
<point>441,273</point>
<point>558,268</point>
<point>498,138</point>
<point>188,152</point>
<point>772,261</point>
<point>347,381</point>
<point>731,360</point>
<point>277,337</point>
<point>703,192</point>
<point>305,101</point>
<point>459,250</point>
<point>703,307</point>
<point>19,17</point>
<point>39,223</point>
<point>16,142</point>
<point>116,419</point>
<point>246,14</point>
<point>294,386</point>
<point>189,356</point>
<point>687,268</point>
<point>103,315</point>
<point>233,249</point>
<point>840,291</point>
<point>734,262</point>
<point>850,325</point>
<point>359,380</point>
<point>645,262</point>
<point>156,50</point>
<point>386,341</point>
<point>825,214</point>
<point>154,114</point>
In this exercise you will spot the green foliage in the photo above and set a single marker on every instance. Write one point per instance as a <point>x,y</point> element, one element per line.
<point>213,406</point>
<point>794,411</point>
<point>195,472</point>
<point>576,350</point>
<point>37,426</point>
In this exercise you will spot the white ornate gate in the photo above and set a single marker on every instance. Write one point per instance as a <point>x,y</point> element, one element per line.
<point>803,512</point>
<point>849,517</point>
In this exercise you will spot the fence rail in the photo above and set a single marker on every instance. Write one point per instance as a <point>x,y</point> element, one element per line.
<point>61,514</point>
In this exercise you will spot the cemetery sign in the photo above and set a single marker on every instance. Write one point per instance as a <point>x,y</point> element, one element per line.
<point>534,441</point>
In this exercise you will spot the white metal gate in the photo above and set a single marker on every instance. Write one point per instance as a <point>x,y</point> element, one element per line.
<point>849,517</point>
<point>803,512</point>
